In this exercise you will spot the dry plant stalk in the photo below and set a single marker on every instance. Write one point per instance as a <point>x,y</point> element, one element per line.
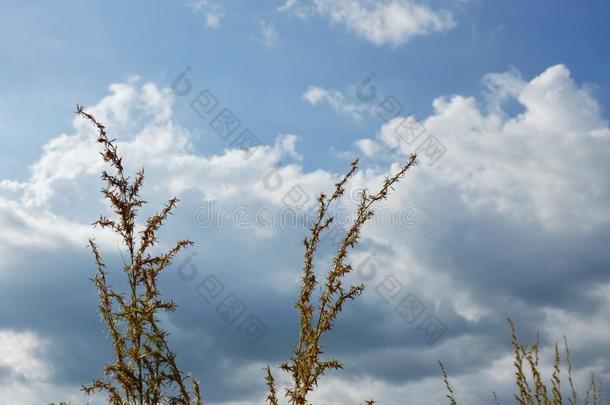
<point>144,371</point>
<point>536,392</point>
<point>305,365</point>
<point>449,395</point>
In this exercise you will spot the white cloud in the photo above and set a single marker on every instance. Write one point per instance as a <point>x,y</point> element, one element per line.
<point>315,95</point>
<point>562,321</point>
<point>54,207</point>
<point>523,165</point>
<point>212,19</point>
<point>40,212</point>
<point>368,146</point>
<point>29,374</point>
<point>288,5</point>
<point>68,157</point>
<point>269,35</point>
<point>11,185</point>
<point>387,22</point>
<point>546,165</point>
<point>22,227</point>
<point>338,391</point>
<point>211,11</point>
<point>19,353</point>
<point>295,8</point>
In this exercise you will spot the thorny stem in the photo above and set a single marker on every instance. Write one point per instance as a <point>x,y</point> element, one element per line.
<point>540,395</point>
<point>305,365</point>
<point>450,394</point>
<point>144,370</point>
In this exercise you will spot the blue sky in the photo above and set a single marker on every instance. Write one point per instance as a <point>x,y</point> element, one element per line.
<point>510,221</point>
<point>56,54</point>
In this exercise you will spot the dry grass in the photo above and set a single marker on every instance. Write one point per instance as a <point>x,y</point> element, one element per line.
<point>531,386</point>
<point>144,370</point>
<point>306,365</point>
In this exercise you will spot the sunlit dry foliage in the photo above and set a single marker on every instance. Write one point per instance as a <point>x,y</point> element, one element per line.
<point>144,370</point>
<point>316,318</point>
<point>532,390</point>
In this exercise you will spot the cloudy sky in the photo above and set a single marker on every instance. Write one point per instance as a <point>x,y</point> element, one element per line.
<point>246,111</point>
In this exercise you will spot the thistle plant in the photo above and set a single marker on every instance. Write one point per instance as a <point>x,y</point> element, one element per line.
<point>532,390</point>
<point>144,371</point>
<point>318,314</point>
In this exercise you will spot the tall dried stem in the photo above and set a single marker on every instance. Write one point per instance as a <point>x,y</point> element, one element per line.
<point>316,318</point>
<point>144,370</point>
<point>540,395</point>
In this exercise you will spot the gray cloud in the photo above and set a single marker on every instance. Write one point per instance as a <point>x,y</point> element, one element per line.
<point>471,264</point>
